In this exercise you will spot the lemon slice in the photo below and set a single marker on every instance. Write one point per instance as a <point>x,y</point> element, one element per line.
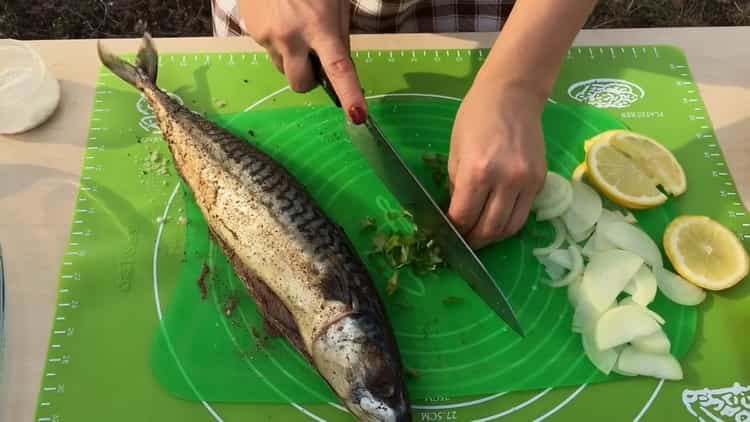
<point>620,178</point>
<point>579,172</point>
<point>652,157</point>
<point>705,252</point>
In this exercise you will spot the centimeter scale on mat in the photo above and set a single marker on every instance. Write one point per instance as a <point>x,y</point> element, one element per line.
<point>84,284</point>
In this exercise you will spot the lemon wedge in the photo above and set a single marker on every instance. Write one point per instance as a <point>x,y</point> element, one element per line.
<point>629,168</point>
<point>705,252</point>
<point>620,178</point>
<point>653,158</point>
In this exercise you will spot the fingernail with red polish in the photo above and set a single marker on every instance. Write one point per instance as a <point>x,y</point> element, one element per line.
<point>357,115</point>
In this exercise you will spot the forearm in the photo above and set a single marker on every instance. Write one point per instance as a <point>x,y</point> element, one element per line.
<point>533,44</point>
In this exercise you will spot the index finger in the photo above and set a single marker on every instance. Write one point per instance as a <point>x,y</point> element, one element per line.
<point>338,66</point>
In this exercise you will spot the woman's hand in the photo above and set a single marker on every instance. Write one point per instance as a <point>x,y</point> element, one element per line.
<point>291,29</point>
<point>497,161</point>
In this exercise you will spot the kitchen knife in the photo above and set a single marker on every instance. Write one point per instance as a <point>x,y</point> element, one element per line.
<point>395,174</point>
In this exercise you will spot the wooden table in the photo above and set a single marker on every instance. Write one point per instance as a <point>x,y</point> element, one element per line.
<point>39,170</point>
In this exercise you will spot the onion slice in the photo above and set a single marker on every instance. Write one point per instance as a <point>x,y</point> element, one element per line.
<point>607,274</point>
<point>576,268</point>
<point>629,301</point>
<point>553,191</point>
<point>559,228</point>
<point>581,217</point>
<point>658,365</point>
<point>632,238</point>
<point>643,288</point>
<point>677,289</point>
<point>556,209</point>
<point>622,324</point>
<point>657,342</point>
<point>604,360</point>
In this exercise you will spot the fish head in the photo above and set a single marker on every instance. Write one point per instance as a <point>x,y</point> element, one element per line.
<point>360,362</point>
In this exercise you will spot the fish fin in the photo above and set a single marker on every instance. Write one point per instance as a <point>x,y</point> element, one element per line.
<point>148,59</point>
<point>136,75</point>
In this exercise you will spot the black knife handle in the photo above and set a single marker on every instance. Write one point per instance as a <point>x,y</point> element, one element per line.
<point>322,78</point>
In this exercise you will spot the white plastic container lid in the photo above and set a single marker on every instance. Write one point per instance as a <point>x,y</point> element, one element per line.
<point>29,92</point>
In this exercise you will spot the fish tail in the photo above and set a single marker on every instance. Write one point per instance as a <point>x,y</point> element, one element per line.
<point>143,72</point>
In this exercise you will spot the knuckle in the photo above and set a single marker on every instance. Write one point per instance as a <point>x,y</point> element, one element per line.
<point>484,172</point>
<point>283,35</point>
<point>340,66</point>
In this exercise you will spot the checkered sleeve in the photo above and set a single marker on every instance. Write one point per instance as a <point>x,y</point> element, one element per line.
<point>383,16</point>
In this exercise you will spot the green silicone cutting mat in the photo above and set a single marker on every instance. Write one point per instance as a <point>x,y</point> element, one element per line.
<point>455,343</point>
<point>129,275</point>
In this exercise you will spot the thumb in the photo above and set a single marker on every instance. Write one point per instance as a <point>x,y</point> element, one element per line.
<point>338,66</point>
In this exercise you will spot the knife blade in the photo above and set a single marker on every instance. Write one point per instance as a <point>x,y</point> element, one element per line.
<point>409,191</point>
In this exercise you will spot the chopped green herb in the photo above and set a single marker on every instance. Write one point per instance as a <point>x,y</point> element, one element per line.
<point>414,249</point>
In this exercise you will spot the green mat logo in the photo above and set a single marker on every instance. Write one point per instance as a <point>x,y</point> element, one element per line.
<point>606,93</point>
<point>723,404</point>
<point>148,121</point>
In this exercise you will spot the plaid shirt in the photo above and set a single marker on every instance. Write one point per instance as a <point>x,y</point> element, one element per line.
<point>381,16</point>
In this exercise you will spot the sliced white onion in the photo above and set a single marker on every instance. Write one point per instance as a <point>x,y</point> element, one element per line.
<point>581,236</point>
<point>604,360</point>
<point>553,270</point>
<point>607,274</point>
<point>632,238</point>
<point>553,191</point>
<point>608,217</point>
<point>657,342</point>
<point>576,269</point>
<point>644,286</point>
<point>561,257</point>
<point>558,208</point>
<point>677,289</point>
<point>596,243</point>
<point>629,217</point>
<point>601,244</point>
<point>630,287</point>
<point>559,228</point>
<point>629,301</point>
<point>586,209</point>
<point>621,372</point>
<point>588,247</point>
<point>574,292</point>
<point>622,324</point>
<point>587,314</point>
<point>662,366</point>
<point>572,260</point>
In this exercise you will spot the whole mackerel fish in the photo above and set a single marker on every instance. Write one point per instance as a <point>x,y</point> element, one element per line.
<point>299,267</point>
